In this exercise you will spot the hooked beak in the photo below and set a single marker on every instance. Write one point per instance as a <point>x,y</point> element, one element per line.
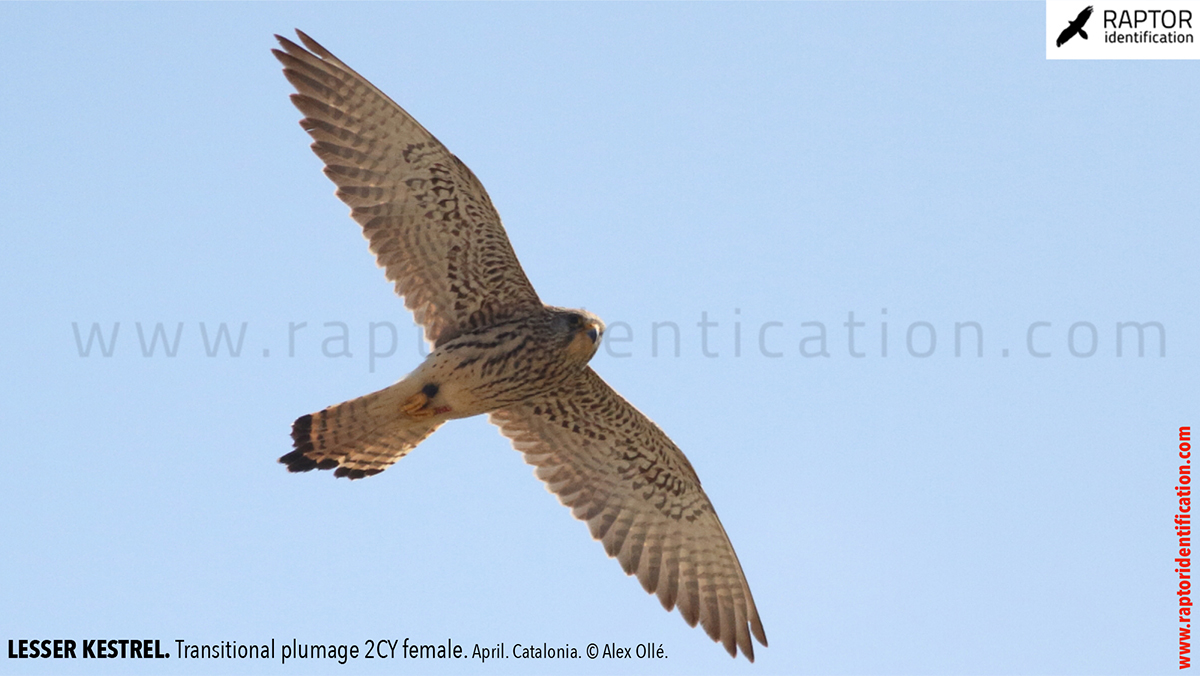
<point>594,330</point>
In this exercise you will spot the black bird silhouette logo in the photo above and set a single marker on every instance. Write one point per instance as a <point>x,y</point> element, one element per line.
<point>1076,26</point>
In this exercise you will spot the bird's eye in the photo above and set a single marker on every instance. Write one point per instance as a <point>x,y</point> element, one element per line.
<point>593,334</point>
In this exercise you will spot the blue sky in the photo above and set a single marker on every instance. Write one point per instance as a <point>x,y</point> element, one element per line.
<point>770,168</point>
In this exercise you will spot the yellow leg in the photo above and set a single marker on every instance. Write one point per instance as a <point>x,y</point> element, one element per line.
<point>416,406</point>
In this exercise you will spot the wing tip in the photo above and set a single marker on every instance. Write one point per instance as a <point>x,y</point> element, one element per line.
<point>289,47</point>
<point>732,642</point>
<point>311,47</point>
<point>312,44</point>
<point>757,628</point>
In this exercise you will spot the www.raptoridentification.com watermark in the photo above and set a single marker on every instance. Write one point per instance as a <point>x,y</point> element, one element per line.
<point>710,337</point>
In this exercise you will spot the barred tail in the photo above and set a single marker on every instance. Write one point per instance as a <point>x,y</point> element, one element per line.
<point>360,437</point>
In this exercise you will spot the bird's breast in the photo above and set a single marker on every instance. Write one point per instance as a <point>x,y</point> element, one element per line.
<point>490,369</point>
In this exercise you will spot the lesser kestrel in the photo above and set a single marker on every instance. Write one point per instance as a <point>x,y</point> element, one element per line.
<point>497,349</point>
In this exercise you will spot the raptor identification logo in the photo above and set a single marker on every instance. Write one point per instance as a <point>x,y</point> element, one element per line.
<point>1129,29</point>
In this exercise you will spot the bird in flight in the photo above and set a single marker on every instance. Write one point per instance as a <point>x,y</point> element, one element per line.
<point>1076,26</point>
<point>497,349</point>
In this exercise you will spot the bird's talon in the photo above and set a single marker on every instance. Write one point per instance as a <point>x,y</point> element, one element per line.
<point>416,406</point>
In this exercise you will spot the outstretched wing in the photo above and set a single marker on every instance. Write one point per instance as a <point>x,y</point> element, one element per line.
<point>430,223</point>
<point>1065,35</point>
<point>637,492</point>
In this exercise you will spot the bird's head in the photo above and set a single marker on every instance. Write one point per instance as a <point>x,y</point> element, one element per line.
<point>581,332</point>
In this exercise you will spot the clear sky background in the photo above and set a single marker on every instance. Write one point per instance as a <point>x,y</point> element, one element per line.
<point>749,165</point>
